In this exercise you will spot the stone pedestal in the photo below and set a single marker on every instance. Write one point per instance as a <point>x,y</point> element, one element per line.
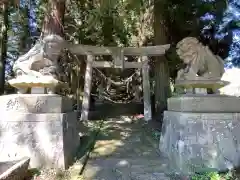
<point>201,133</point>
<point>40,126</point>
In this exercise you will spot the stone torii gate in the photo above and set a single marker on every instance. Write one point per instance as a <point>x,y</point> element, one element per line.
<point>36,72</point>
<point>118,54</point>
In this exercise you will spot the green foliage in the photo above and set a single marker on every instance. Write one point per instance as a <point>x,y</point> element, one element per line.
<point>213,176</point>
<point>19,40</point>
<point>113,22</point>
<point>183,17</point>
<point>86,21</point>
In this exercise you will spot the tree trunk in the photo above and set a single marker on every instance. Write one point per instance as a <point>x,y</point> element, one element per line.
<point>53,25</point>
<point>107,30</point>
<point>161,72</point>
<point>4,35</point>
<point>53,20</point>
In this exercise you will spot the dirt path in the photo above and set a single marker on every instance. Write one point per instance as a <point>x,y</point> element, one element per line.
<point>123,150</point>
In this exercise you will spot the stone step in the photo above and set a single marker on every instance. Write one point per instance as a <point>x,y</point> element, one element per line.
<point>99,111</point>
<point>127,169</point>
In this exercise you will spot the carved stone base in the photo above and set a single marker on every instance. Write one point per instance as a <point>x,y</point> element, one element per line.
<point>38,90</point>
<point>200,86</point>
<point>42,127</point>
<point>201,132</point>
<point>199,142</point>
<point>24,83</point>
<point>204,103</point>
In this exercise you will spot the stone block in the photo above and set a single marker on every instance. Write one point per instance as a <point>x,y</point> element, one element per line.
<point>204,103</point>
<point>35,103</point>
<point>200,141</point>
<point>49,139</point>
<point>37,90</point>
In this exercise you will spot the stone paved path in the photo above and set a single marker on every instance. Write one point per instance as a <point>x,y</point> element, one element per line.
<point>124,151</point>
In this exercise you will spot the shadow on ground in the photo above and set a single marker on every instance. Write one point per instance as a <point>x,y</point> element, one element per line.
<point>123,149</point>
<point>111,110</point>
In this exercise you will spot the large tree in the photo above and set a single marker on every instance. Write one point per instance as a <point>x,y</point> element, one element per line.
<point>162,88</point>
<point>53,25</point>
<point>53,20</point>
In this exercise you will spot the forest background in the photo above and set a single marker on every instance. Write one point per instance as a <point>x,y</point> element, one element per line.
<point>216,23</point>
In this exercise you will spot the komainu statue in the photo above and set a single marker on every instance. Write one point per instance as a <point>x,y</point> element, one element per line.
<point>201,63</point>
<point>39,67</point>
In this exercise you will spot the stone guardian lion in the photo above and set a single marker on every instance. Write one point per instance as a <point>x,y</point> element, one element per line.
<point>201,63</point>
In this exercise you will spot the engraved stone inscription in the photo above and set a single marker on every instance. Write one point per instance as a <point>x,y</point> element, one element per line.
<point>39,105</point>
<point>13,104</point>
